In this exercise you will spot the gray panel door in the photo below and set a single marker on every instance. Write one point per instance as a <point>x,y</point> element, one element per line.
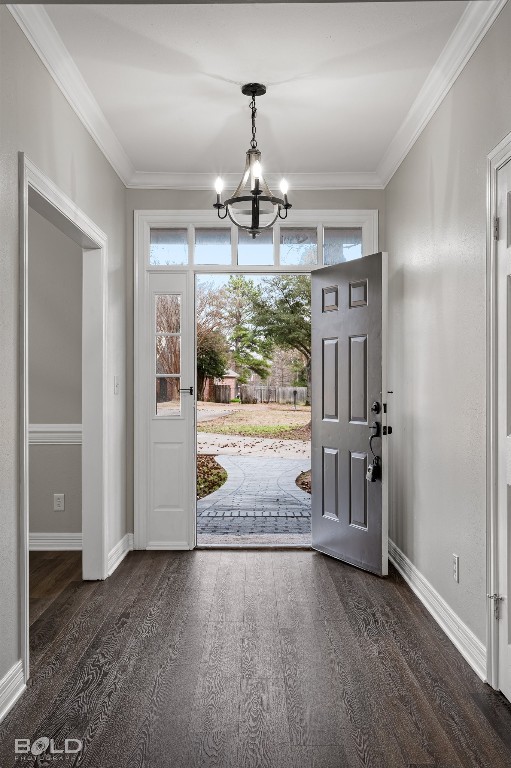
<point>349,404</point>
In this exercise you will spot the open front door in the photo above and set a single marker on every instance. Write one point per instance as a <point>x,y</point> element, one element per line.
<point>349,405</point>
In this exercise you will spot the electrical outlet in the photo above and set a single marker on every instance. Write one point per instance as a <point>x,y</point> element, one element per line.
<point>58,502</point>
<point>456,567</point>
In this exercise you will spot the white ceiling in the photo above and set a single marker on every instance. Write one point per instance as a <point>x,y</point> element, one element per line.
<point>341,78</point>
<point>349,84</point>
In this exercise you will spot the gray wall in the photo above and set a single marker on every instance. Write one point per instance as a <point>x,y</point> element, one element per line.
<point>55,372</point>
<point>36,119</point>
<point>175,200</point>
<point>55,324</point>
<point>55,469</point>
<point>436,228</point>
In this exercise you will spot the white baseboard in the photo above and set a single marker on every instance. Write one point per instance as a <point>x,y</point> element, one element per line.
<point>12,686</point>
<point>470,647</point>
<point>54,542</point>
<point>119,552</point>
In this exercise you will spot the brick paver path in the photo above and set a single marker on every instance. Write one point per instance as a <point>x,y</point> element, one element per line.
<point>260,496</point>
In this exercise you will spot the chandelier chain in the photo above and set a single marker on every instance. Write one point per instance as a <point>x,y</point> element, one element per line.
<point>253,142</point>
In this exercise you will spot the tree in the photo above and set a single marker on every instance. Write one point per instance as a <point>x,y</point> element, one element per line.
<point>212,348</point>
<point>282,314</point>
<point>249,348</point>
<point>211,360</point>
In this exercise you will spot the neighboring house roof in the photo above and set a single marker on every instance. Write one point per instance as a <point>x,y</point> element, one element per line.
<point>231,374</point>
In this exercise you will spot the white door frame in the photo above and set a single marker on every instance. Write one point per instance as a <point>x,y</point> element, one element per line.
<point>143,221</point>
<point>496,160</point>
<point>40,193</point>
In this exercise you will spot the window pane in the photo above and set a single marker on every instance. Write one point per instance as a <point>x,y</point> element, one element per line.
<point>341,244</point>
<point>212,246</point>
<point>168,313</point>
<point>253,251</point>
<point>168,247</point>
<point>168,354</point>
<point>168,397</point>
<point>298,246</point>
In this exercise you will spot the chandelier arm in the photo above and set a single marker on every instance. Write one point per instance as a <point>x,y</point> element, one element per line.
<point>218,209</point>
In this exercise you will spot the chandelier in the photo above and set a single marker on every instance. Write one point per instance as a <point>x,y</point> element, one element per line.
<point>265,207</point>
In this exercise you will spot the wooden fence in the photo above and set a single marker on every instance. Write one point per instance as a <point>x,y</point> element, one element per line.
<point>283,395</point>
<point>221,393</point>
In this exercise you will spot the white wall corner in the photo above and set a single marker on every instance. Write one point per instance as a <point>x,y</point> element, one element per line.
<point>54,542</point>
<point>475,22</point>
<point>470,647</point>
<point>119,552</point>
<point>12,686</point>
<point>47,43</point>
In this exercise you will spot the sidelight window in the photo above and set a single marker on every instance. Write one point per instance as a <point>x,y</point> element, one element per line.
<point>167,354</point>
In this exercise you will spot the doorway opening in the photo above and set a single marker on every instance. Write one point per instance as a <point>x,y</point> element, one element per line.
<point>253,335</point>
<point>65,419</point>
<point>172,250</point>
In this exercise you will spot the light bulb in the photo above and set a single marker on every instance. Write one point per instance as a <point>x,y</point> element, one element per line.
<point>258,171</point>
<point>219,185</point>
<point>284,187</point>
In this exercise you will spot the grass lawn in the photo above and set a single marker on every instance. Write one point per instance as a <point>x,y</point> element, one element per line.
<point>261,420</point>
<point>210,475</point>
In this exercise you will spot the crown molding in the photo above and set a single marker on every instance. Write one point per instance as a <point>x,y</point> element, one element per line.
<point>163,180</point>
<point>41,33</point>
<point>47,43</point>
<point>476,20</point>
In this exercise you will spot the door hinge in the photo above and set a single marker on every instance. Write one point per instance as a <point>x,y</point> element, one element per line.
<point>496,228</point>
<point>496,604</point>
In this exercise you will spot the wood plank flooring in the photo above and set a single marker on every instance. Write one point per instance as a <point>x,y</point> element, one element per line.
<point>247,659</point>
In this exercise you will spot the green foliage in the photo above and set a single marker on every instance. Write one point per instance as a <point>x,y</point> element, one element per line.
<point>282,313</point>
<point>250,349</point>
<point>299,373</point>
<point>211,359</point>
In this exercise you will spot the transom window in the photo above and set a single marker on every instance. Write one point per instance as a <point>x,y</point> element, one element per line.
<point>195,240</point>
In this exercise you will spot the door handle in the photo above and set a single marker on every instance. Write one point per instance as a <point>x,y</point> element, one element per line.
<point>187,389</point>
<point>375,427</point>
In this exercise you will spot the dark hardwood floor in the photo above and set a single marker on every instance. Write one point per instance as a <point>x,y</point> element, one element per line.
<point>247,659</point>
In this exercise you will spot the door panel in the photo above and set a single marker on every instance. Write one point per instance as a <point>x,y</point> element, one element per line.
<point>165,445</point>
<point>349,513</point>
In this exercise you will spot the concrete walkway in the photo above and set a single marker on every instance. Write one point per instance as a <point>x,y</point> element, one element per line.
<point>260,497</point>
<point>208,414</point>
